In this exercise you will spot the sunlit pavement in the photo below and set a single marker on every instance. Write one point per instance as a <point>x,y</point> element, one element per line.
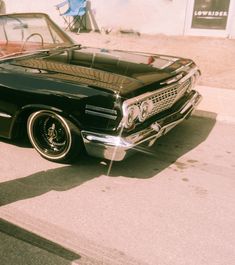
<point>174,205</point>
<point>217,104</point>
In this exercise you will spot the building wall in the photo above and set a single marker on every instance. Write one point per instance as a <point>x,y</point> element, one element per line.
<point>152,16</point>
<point>145,16</point>
<point>44,6</point>
<point>232,20</point>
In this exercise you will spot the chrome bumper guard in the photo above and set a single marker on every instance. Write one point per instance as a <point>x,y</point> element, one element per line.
<point>115,148</point>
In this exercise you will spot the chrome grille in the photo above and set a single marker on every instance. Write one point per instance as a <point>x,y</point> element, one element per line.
<point>166,97</point>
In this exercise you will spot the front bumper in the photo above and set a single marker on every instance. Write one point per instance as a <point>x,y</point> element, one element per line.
<point>116,148</point>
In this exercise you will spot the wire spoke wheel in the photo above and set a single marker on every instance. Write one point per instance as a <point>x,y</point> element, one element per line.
<point>52,135</point>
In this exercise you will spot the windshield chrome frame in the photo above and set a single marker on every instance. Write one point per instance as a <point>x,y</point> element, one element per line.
<point>51,25</point>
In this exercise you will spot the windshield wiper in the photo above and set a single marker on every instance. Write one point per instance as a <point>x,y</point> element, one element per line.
<point>55,50</point>
<point>67,47</point>
<point>19,55</point>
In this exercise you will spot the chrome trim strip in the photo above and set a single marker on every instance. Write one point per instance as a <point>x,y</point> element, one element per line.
<point>116,147</point>
<point>111,111</point>
<point>191,104</point>
<point>104,115</point>
<point>145,95</point>
<point>176,87</point>
<point>183,67</point>
<point>190,73</point>
<point>5,115</point>
<point>149,94</point>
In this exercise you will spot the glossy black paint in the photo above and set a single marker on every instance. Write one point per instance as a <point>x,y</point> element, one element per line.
<point>69,79</point>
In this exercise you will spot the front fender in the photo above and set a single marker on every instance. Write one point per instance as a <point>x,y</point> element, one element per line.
<point>19,121</point>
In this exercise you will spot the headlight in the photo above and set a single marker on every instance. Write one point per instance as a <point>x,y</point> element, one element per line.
<point>130,115</point>
<point>139,111</point>
<point>145,109</point>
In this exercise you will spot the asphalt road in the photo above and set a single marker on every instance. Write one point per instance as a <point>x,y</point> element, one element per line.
<point>18,247</point>
<point>172,206</point>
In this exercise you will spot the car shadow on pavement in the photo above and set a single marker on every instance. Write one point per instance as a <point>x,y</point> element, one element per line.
<point>165,152</point>
<point>20,246</point>
<point>20,142</point>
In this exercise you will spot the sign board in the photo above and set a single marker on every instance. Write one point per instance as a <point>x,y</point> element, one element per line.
<point>210,14</point>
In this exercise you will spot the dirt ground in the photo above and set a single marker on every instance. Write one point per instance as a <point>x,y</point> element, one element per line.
<point>214,56</point>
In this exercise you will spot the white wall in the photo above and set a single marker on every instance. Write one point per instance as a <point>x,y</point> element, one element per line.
<point>232,21</point>
<point>45,6</point>
<point>145,16</point>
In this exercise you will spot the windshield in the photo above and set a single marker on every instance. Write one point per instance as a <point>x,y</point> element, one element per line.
<point>27,33</point>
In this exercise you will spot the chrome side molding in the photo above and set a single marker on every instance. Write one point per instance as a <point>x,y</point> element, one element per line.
<point>101,112</point>
<point>5,115</point>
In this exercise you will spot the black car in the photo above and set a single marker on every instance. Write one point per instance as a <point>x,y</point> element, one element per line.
<point>69,97</point>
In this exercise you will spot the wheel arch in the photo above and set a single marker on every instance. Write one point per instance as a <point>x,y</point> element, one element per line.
<point>18,128</point>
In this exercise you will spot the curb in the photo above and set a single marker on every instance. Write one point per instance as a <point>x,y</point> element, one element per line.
<point>214,116</point>
<point>216,104</point>
<point>90,253</point>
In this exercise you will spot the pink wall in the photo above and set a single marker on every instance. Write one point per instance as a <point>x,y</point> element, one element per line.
<point>146,16</point>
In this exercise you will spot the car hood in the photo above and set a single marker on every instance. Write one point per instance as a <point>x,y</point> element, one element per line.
<point>117,71</point>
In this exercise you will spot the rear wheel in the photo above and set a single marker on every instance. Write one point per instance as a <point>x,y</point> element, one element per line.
<point>53,136</point>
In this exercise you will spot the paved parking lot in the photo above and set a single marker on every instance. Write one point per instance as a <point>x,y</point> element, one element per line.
<point>174,205</point>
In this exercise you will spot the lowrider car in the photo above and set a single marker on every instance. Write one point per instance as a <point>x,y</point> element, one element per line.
<point>68,98</point>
